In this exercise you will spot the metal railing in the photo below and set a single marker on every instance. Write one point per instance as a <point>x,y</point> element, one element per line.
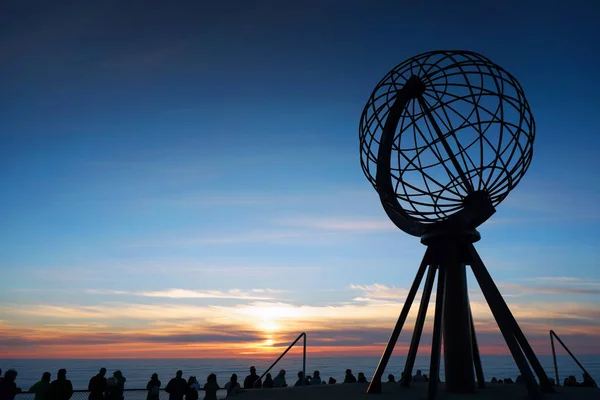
<point>554,335</point>
<point>303,334</point>
<point>128,394</point>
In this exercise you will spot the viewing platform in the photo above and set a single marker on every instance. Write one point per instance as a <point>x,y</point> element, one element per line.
<point>418,391</point>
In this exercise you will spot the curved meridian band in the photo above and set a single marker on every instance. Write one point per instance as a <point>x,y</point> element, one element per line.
<point>478,206</point>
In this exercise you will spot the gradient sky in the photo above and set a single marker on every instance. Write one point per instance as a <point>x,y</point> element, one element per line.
<point>183,178</point>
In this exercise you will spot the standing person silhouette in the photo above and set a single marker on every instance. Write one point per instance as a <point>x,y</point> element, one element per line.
<point>191,392</point>
<point>177,387</point>
<point>250,379</point>
<point>117,392</point>
<point>8,386</point>
<point>97,385</point>
<point>42,388</point>
<point>233,386</point>
<point>61,388</point>
<point>211,387</point>
<point>153,387</point>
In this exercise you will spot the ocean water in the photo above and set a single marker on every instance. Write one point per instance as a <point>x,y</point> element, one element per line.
<point>138,371</point>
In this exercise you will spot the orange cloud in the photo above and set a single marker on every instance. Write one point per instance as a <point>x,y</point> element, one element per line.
<point>254,328</point>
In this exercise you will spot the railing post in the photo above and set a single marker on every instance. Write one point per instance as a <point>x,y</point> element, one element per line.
<point>554,358</point>
<point>553,334</point>
<point>303,334</point>
<point>304,362</point>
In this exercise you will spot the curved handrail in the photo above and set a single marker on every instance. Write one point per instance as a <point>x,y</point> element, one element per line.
<point>303,334</point>
<point>554,335</point>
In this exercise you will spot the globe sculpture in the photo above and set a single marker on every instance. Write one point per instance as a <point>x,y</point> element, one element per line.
<point>444,138</point>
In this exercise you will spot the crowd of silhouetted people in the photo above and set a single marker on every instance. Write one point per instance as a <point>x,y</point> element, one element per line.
<point>102,388</point>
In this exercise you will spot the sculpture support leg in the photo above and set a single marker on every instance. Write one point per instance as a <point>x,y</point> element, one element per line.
<point>516,330</point>
<point>476,357</point>
<point>436,341</point>
<point>493,299</point>
<point>418,331</point>
<point>458,354</point>
<point>375,385</point>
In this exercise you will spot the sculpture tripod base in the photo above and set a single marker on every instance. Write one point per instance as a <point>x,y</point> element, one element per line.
<point>448,255</point>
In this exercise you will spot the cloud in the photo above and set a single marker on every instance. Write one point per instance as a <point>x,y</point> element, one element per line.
<point>346,224</point>
<point>554,286</point>
<point>379,291</point>
<point>236,294</point>
<point>256,326</point>
<point>207,294</point>
<point>249,237</point>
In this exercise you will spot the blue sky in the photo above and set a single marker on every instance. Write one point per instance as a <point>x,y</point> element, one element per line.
<point>190,156</point>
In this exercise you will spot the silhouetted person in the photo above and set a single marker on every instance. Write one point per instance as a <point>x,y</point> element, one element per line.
<point>42,388</point>
<point>391,378</point>
<point>250,379</point>
<point>349,378</point>
<point>153,387</point>
<point>116,391</point>
<point>268,381</point>
<point>233,386</point>
<point>361,378</point>
<point>8,386</point>
<point>509,380</point>
<point>279,380</point>
<point>316,379</point>
<point>61,388</point>
<point>332,380</point>
<point>195,384</point>
<point>211,387</point>
<point>301,380</point>
<point>191,393</point>
<point>588,381</point>
<point>494,380</point>
<point>177,387</point>
<point>500,381</point>
<point>97,385</point>
<point>402,378</point>
<point>418,377</point>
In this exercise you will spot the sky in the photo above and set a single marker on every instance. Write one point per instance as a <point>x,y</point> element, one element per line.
<point>182,179</point>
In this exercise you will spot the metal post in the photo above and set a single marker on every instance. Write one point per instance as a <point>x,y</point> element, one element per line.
<point>375,385</point>
<point>476,357</point>
<point>491,296</point>
<point>554,358</point>
<point>418,330</point>
<point>436,342</point>
<point>458,352</point>
<point>304,362</point>
<point>515,328</point>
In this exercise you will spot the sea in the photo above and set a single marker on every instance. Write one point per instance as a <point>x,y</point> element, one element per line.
<point>138,371</point>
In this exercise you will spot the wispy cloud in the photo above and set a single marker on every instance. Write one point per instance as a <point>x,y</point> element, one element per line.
<point>348,224</point>
<point>249,237</point>
<point>378,291</point>
<point>235,294</point>
<point>209,294</point>
<point>553,285</point>
<point>374,308</point>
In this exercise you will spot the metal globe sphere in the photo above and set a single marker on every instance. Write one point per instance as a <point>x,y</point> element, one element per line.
<point>444,137</point>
